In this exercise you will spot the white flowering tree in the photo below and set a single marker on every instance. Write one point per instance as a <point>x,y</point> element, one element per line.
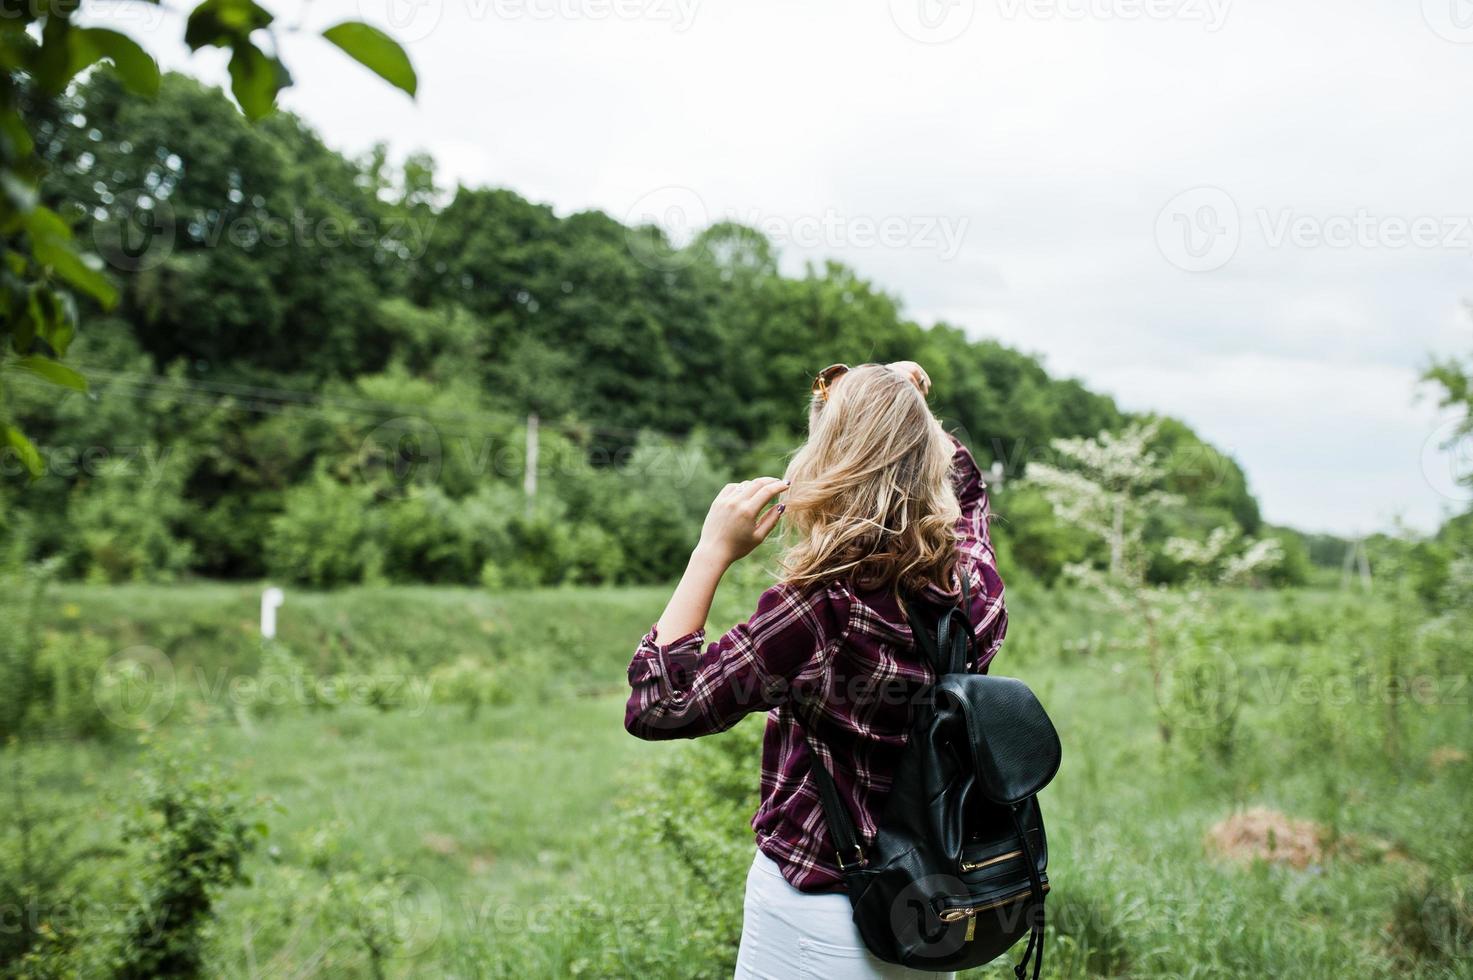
<point>1108,486</point>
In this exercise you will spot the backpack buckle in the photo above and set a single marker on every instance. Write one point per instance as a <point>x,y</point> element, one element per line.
<point>858,862</point>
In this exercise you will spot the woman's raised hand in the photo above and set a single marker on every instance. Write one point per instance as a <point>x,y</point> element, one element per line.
<point>736,522</point>
<point>914,372</point>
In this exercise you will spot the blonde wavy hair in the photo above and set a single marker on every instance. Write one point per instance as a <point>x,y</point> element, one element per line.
<point>871,499</point>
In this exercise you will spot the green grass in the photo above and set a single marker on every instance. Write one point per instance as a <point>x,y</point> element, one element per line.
<point>584,635</point>
<point>509,834</point>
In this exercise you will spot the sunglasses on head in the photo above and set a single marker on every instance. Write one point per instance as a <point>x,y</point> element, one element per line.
<point>826,378</point>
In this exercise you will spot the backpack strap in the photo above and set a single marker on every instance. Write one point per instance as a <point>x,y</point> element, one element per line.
<point>1034,951</point>
<point>949,649</point>
<point>841,825</point>
<point>957,644</point>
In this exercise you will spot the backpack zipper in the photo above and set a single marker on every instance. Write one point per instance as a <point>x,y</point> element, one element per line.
<point>970,911</point>
<point>978,865</point>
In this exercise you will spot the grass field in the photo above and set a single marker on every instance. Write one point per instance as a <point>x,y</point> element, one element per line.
<point>533,837</point>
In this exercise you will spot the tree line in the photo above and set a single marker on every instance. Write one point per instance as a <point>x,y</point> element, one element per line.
<point>319,367</point>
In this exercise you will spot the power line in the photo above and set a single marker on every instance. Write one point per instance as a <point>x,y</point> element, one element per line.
<point>265,400</point>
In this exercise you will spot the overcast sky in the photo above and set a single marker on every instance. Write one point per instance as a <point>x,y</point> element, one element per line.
<point>1254,215</point>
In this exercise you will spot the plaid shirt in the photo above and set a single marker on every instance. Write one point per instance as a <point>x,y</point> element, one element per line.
<point>840,657</point>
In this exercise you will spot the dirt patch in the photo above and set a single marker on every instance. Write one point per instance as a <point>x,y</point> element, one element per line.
<point>440,843</point>
<point>1264,834</point>
<point>1445,756</point>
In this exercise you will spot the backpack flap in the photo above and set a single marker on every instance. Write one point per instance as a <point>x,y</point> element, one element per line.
<point>1014,745</point>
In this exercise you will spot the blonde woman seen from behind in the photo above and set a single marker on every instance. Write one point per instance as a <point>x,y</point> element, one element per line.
<point>881,508</point>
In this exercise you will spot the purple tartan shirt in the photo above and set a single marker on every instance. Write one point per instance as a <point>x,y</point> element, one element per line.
<point>841,658</point>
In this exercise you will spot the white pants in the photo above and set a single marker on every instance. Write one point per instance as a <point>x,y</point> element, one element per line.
<point>793,935</point>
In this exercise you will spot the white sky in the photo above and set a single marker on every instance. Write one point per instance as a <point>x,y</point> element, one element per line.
<point>1057,142</point>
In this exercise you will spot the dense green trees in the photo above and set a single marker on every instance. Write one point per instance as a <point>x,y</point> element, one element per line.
<point>319,368</point>
<point>45,269</point>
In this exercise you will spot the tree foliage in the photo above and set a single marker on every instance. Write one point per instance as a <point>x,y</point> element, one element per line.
<point>45,271</point>
<point>319,367</point>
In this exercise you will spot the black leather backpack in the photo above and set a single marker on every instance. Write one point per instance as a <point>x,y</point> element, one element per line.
<point>956,874</point>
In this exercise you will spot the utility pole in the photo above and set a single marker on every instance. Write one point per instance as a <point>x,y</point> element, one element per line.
<point>1356,560</point>
<point>529,479</point>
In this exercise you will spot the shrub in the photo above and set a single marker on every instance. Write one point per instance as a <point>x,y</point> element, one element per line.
<point>124,520</point>
<point>470,681</point>
<point>19,604</point>
<point>697,830</point>
<point>75,695</point>
<point>1433,919</point>
<point>327,535</point>
<point>197,836</point>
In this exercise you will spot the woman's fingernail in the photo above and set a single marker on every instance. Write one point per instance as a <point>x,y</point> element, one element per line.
<point>781,508</point>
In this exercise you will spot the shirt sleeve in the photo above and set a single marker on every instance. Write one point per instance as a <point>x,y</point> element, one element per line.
<point>979,559</point>
<point>679,690</point>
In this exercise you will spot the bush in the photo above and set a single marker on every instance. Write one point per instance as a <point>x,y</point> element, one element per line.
<point>470,681</point>
<point>124,520</point>
<point>74,694</point>
<point>20,602</point>
<point>697,831</point>
<point>197,836</point>
<point>650,510</point>
<point>327,535</point>
<point>1433,919</point>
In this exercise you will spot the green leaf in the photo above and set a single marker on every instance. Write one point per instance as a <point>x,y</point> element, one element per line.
<point>20,194</point>
<point>255,79</point>
<point>52,371</point>
<point>31,315</point>
<point>16,440</point>
<point>59,329</point>
<point>376,51</point>
<point>44,224</point>
<point>14,137</point>
<point>67,263</point>
<point>51,246</point>
<point>51,62</point>
<point>224,23</point>
<point>137,70</point>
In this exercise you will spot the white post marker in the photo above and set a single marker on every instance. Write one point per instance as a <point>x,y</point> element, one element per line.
<point>529,479</point>
<point>271,601</point>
